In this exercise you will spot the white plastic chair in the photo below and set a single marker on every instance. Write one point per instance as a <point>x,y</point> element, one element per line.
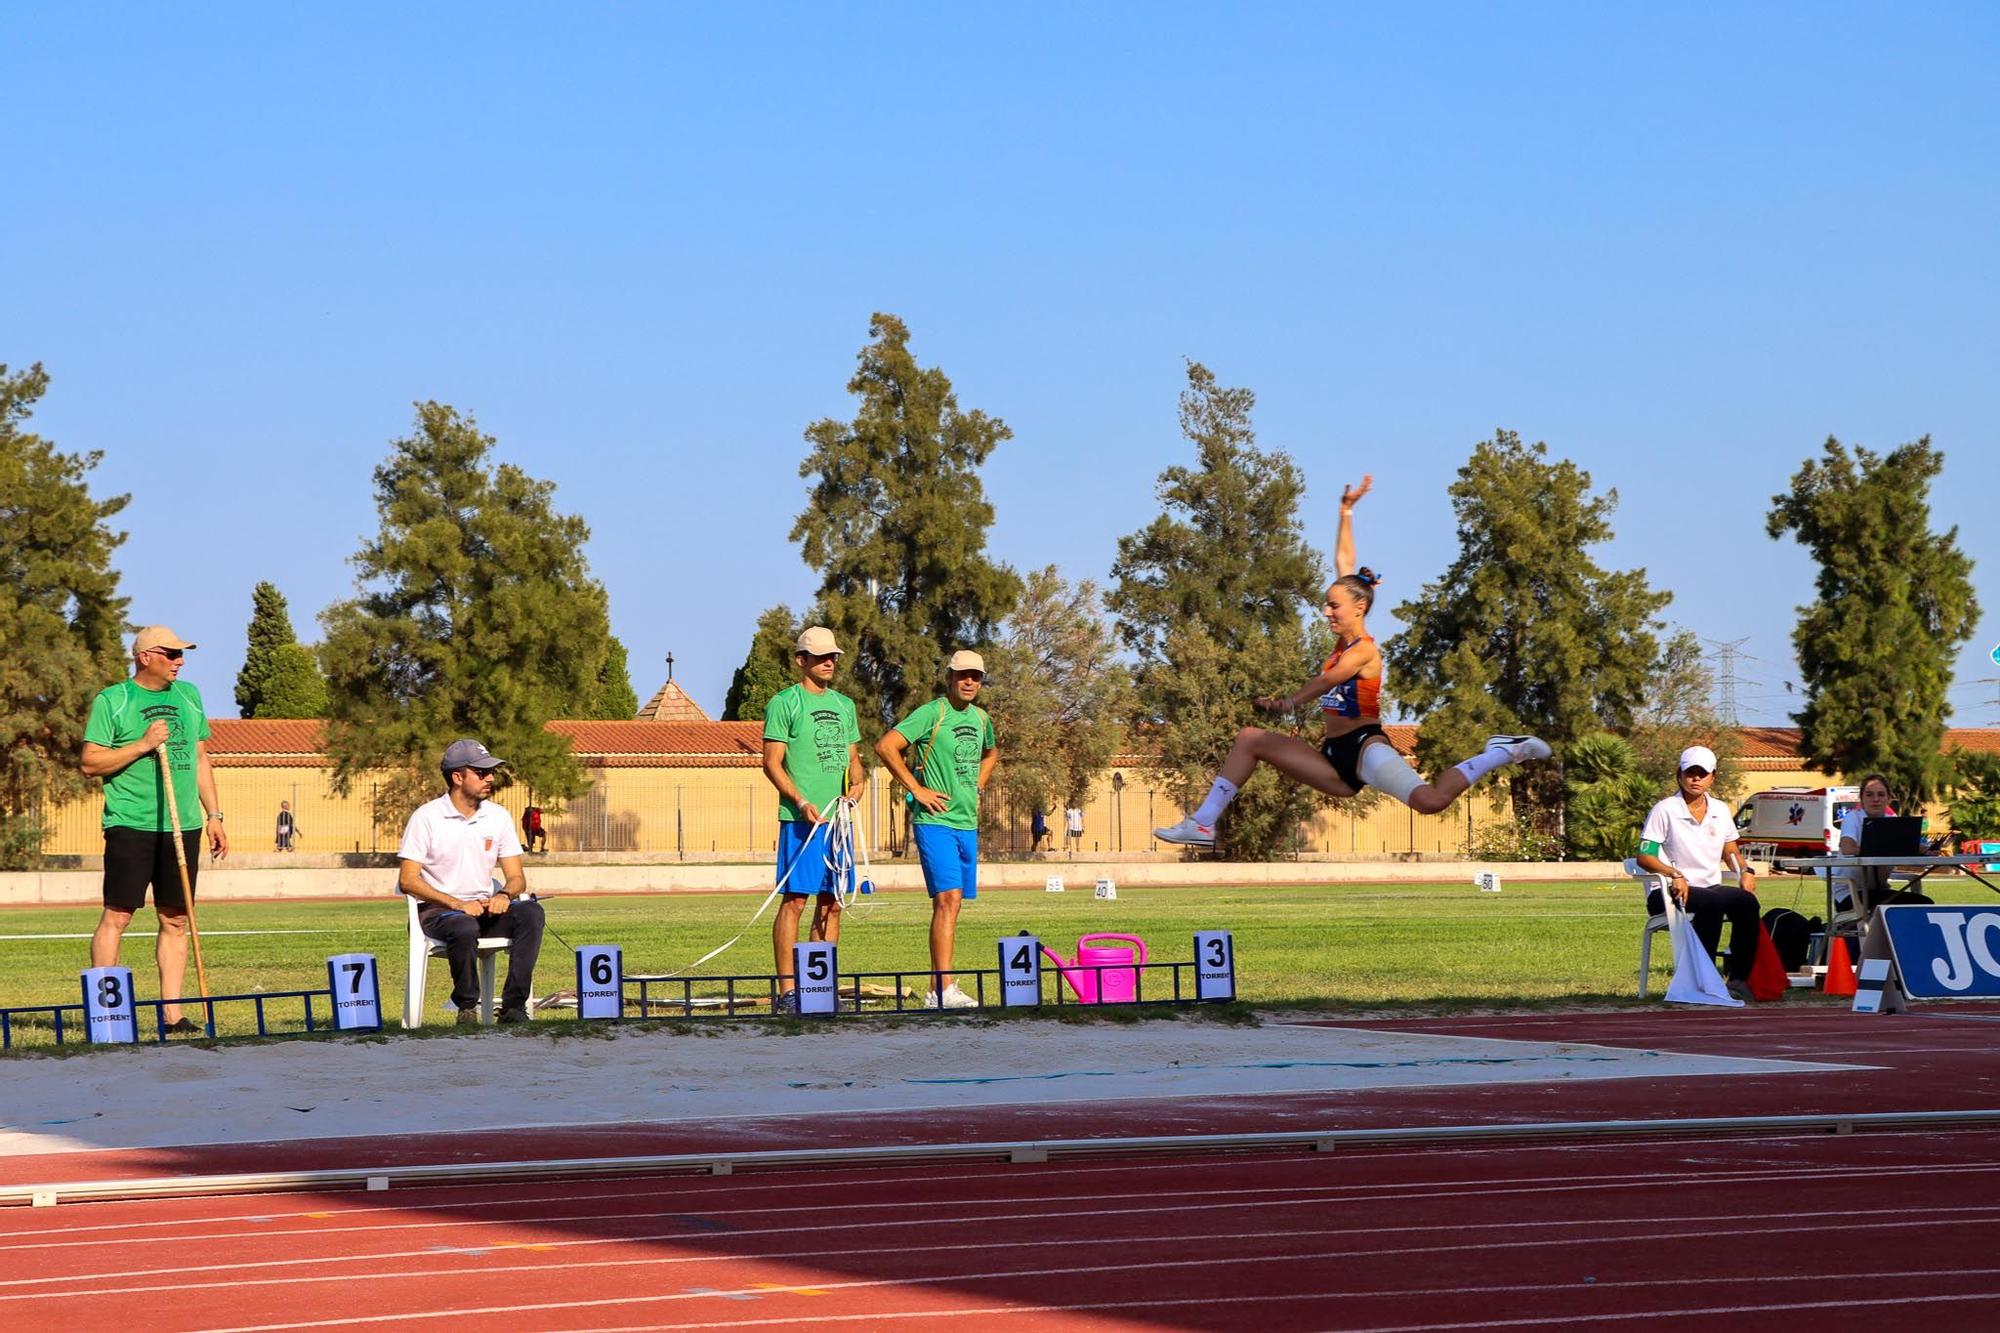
<point>423,948</point>
<point>1657,922</point>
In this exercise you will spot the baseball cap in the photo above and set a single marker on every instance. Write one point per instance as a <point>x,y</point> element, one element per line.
<point>817,642</point>
<point>157,636</point>
<point>1697,756</point>
<point>468,754</point>
<point>965,660</point>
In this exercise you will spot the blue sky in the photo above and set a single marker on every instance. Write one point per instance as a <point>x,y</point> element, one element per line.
<point>1680,243</point>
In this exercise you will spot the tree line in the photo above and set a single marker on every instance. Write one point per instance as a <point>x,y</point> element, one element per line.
<point>475,612</point>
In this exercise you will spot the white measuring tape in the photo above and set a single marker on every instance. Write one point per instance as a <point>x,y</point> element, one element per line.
<point>843,841</point>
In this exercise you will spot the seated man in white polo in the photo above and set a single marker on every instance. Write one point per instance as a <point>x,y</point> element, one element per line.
<point>450,848</point>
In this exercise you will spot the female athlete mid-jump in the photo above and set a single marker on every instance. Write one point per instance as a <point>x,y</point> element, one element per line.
<point>1354,752</point>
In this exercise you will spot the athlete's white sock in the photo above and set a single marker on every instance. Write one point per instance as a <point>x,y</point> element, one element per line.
<point>1219,797</point>
<point>1483,763</point>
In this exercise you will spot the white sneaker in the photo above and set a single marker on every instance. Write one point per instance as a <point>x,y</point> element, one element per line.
<point>1188,833</point>
<point>954,998</point>
<point>1520,749</point>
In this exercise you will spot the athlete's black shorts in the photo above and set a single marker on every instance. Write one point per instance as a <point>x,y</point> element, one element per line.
<point>134,858</point>
<point>1344,753</point>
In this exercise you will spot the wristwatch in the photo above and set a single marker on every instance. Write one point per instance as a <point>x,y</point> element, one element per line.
<point>215,814</point>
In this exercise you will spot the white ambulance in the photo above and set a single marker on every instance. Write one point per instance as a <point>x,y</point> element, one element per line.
<point>1788,822</point>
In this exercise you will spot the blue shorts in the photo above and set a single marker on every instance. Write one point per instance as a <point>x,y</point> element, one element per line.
<point>950,858</point>
<point>813,875</point>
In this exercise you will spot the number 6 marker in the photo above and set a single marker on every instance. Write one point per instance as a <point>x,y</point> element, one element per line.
<point>600,981</point>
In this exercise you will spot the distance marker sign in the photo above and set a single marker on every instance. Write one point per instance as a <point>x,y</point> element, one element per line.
<point>1020,970</point>
<point>815,966</point>
<point>1214,965</point>
<point>357,992</point>
<point>107,1005</point>
<point>600,981</point>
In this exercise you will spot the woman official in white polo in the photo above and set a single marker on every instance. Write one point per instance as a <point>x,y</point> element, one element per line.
<point>1690,839</point>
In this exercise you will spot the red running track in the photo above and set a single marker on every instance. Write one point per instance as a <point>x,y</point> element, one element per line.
<point>1754,1233</point>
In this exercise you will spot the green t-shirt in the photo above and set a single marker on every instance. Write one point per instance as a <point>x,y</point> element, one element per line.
<point>817,730</point>
<point>134,796</point>
<point>946,745</point>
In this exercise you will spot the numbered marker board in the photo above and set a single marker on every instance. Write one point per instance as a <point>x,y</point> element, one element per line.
<point>1055,884</point>
<point>600,981</point>
<point>1107,890</point>
<point>1488,881</point>
<point>1020,970</point>
<point>107,1005</point>
<point>1214,965</point>
<point>357,992</point>
<point>815,965</point>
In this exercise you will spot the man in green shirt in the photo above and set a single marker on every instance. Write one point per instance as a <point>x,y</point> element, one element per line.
<point>129,722</point>
<point>951,743</point>
<point>812,755</point>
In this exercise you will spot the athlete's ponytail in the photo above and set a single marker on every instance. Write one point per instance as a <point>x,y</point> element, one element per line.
<point>1361,584</point>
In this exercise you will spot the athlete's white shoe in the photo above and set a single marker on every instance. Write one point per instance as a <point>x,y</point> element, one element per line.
<point>953,998</point>
<point>1520,749</point>
<point>1188,833</point>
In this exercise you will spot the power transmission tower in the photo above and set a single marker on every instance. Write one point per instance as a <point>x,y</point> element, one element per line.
<point>1726,679</point>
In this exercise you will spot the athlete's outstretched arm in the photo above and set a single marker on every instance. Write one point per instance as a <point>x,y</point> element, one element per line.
<point>1345,668</point>
<point>1343,544</point>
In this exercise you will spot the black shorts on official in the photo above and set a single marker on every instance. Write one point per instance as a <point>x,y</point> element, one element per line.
<point>135,858</point>
<point>1344,753</point>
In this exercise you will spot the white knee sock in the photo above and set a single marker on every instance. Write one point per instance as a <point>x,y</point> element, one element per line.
<point>1483,763</point>
<point>1219,797</point>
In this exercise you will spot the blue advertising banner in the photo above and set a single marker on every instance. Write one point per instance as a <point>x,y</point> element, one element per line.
<point>1946,953</point>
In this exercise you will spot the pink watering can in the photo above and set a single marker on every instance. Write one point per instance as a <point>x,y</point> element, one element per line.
<point>1115,984</point>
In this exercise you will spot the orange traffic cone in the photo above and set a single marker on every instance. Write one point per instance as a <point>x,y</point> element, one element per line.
<point>1839,970</point>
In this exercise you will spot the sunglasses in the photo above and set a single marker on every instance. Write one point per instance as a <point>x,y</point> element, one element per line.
<point>970,675</point>
<point>1696,773</point>
<point>171,654</point>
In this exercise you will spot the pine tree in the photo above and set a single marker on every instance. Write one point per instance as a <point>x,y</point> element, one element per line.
<point>1055,679</point>
<point>61,618</point>
<point>767,667</point>
<point>1894,605</point>
<point>279,677</point>
<point>896,526</point>
<point>611,697</point>
<point>1211,597</point>
<point>477,616</point>
<point>1525,632</point>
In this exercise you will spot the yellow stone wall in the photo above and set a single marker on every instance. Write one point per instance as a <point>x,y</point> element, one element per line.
<point>731,811</point>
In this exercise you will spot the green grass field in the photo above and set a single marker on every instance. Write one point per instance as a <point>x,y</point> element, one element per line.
<point>1336,946</point>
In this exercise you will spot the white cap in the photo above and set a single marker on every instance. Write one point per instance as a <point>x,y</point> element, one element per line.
<point>966,660</point>
<point>817,642</point>
<point>1697,756</point>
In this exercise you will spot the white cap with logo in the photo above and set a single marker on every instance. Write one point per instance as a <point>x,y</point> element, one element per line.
<point>1697,756</point>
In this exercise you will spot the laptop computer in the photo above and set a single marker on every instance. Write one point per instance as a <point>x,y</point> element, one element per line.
<point>1892,835</point>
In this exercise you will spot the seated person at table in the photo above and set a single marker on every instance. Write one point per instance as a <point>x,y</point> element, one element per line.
<point>1873,880</point>
<point>450,848</point>
<point>1689,838</point>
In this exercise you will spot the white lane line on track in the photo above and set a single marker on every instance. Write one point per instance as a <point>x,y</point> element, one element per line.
<point>1643,1228</point>
<point>697,1188</point>
<point>1520,1289</point>
<point>1342,1194</point>
<point>1001,1275</point>
<point>151,934</point>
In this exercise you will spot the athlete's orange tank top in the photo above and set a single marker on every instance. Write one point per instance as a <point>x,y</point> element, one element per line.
<point>1356,698</point>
